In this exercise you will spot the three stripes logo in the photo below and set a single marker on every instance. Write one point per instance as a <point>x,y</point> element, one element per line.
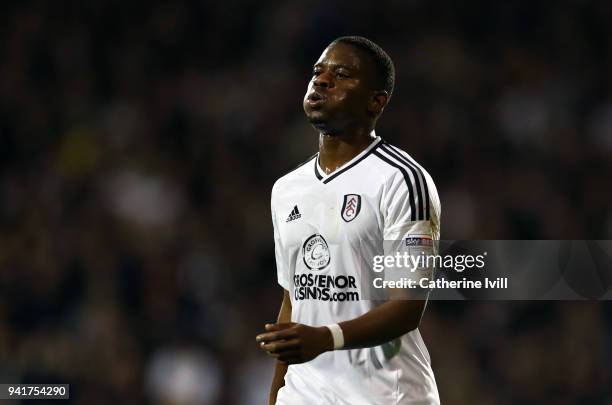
<point>295,214</point>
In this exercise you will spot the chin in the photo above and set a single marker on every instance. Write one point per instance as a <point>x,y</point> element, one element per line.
<point>317,121</point>
<point>322,126</point>
<point>315,116</point>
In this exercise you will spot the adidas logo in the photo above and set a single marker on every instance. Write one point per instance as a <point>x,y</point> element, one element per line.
<point>295,214</point>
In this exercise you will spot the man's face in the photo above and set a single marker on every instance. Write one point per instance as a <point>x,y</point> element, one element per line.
<point>338,93</point>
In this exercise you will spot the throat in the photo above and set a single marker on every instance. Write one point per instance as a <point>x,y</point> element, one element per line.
<point>331,168</point>
<point>335,151</point>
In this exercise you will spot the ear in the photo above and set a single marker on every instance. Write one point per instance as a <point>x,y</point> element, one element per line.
<point>378,101</point>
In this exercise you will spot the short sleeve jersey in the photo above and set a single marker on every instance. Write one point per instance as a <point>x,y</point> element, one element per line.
<point>327,229</point>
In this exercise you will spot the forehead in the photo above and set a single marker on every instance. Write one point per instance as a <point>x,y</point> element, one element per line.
<point>344,55</point>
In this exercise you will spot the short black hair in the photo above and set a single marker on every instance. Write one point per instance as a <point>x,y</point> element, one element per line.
<point>384,64</point>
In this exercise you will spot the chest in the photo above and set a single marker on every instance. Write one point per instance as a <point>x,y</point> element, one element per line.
<point>341,212</point>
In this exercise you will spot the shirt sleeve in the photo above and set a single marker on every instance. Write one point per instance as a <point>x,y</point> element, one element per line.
<point>282,268</point>
<point>410,212</point>
<point>407,208</point>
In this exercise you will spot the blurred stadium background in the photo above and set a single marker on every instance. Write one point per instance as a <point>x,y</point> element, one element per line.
<point>139,142</point>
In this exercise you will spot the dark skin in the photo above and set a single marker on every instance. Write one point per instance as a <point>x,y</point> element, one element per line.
<point>343,102</point>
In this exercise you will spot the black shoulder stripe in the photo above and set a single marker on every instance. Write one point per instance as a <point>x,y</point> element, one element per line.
<point>418,176</point>
<point>413,211</point>
<point>422,176</point>
<point>415,175</point>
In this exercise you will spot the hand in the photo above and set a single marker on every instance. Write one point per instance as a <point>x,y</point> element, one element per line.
<point>294,343</point>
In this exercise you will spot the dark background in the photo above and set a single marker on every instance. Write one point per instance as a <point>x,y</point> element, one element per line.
<point>139,143</point>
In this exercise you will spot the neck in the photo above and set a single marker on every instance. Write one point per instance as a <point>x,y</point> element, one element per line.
<point>336,150</point>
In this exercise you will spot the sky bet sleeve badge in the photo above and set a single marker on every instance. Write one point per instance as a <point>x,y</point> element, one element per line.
<point>351,207</point>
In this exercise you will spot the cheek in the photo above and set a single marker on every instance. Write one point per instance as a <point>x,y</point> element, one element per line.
<point>339,98</point>
<point>349,102</point>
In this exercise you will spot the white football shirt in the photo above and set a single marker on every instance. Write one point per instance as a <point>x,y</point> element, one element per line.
<point>327,229</point>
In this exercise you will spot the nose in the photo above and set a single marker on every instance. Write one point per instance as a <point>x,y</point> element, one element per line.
<point>323,80</point>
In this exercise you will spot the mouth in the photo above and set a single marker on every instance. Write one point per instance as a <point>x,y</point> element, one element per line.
<point>315,99</point>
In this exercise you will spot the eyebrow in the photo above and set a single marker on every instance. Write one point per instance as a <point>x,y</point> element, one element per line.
<point>334,66</point>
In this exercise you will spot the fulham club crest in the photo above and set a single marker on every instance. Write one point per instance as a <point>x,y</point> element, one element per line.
<point>351,207</point>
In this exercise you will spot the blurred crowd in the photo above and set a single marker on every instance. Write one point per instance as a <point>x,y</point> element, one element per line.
<point>139,142</point>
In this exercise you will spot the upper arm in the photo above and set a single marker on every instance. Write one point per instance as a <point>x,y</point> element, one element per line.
<point>410,206</point>
<point>411,212</point>
<point>282,266</point>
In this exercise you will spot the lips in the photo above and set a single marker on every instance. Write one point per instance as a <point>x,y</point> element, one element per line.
<point>315,98</point>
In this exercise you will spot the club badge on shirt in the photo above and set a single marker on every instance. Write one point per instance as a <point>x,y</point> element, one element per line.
<point>351,207</point>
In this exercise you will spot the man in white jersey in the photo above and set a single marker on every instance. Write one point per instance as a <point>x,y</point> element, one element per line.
<point>331,215</point>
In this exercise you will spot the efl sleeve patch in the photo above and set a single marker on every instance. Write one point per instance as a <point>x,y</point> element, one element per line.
<point>418,240</point>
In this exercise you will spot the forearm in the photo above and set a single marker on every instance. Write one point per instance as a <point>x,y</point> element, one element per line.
<point>280,368</point>
<point>383,323</point>
<point>278,381</point>
<point>294,343</point>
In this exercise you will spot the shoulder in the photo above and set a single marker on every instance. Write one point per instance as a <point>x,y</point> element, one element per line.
<point>408,177</point>
<point>305,168</point>
<point>400,166</point>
